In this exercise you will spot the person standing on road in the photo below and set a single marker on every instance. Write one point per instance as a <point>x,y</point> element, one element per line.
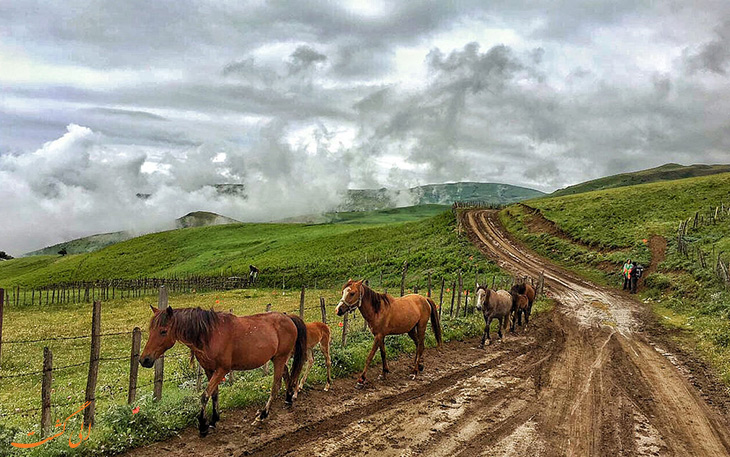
<point>634,276</point>
<point>627,274</point>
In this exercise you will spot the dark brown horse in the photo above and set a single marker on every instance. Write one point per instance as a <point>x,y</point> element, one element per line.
<point>386,315</point>
<point>520,306</point>
<point>526,290</point>
<point>494,304</point>
<point>223,342</point>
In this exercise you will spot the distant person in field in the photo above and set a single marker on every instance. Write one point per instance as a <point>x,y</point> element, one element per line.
<point>627,274</point>
<point>635,274</point>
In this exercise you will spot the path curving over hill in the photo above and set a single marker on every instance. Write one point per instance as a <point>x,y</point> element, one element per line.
<point>584,380</point>
<point>614,386</point>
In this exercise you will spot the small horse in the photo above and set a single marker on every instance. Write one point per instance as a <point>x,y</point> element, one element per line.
<point>528,291</point>
<point>494,305</point>
<point>223,342</point>
<point>386,315</point>
<point>317,333</point>
<point>520,305</point>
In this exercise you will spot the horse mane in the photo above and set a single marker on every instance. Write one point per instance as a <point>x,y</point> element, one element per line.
<point>191,325</point>
<point>377,300</point>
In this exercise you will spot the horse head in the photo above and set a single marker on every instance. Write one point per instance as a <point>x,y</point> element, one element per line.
<point>482,295</point>
<point>161,338</point>
<point>352,295</point>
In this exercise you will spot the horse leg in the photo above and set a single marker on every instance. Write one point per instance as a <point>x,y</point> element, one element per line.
<point>326,351</point>
<point>279,366</point>
<point>214,379</point>
<point>385,361</point>
<point>485,335</point>
<point>421,343</point>
<point>413,333</point>
<point>376,343</point>
<point>216,416</point>
<point>310,362</point>
<point>499,329</point>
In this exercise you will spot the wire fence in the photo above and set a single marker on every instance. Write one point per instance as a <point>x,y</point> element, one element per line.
<point>180,375</point>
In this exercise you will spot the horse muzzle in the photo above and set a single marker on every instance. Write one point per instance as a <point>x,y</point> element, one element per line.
<point>147,362</point>
<point>343,308</point>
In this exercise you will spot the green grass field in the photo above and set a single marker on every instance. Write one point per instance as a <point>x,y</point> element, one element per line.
<point>296,253</point>
<point>610,226</point>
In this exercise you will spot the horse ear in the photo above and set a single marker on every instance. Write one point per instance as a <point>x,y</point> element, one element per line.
<point>154,310</point>
<point>169,311</point>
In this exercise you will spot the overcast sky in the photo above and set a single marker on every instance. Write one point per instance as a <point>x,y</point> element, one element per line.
<point>300,100</point>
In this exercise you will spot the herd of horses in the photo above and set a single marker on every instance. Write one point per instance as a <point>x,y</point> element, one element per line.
<point>223,342</point>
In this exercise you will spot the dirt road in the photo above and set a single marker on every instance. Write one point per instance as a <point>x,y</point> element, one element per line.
<point>594,377</point>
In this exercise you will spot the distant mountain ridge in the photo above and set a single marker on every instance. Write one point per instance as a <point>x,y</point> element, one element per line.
<point>435,194</point>
<point>95,242</point>
<point>666,172</point>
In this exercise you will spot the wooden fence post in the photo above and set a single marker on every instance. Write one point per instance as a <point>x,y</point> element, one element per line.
<point>46,392</point>
<point>301,304</point>
<point>160,363</point>
<point>403,278</point>
<point>2,305</point>
<point>134,364</point>
<point>344,330</point>
<point>466,303</point>
<point>453,296</point>
<point>441,296</point>
<point>93,363</point>
<point>458,300</point>
<point>323,308</point>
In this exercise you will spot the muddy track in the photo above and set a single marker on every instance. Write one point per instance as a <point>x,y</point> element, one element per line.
<point>583,380</point>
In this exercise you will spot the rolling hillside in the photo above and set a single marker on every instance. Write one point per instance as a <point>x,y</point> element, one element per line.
<point>95,242</point>
<point>438,194</point>
<point>382,216</point>
<point>326,252</point>
<point>667,172</point>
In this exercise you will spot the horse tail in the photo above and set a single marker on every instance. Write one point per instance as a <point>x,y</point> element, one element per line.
<point>435,323</point>
<point>300,351</point>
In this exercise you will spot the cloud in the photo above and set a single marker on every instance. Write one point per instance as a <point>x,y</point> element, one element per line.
<point>301,100</point>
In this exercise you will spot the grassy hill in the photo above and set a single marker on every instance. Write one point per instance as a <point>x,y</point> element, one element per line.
<point>202,219</point>
<point>95,242</point>
<point>667,172</point>
<point>382,216</point>
<point>438,194</point>
<point>299,253</point>
<point>597,230</point>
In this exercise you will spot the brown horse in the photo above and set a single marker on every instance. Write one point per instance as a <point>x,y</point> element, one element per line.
<point>223,342</point>
<point>317,333</point>
<point>520,305</point>
<point>494,305</point>
<point>386,315</point>
<point>526,290</point>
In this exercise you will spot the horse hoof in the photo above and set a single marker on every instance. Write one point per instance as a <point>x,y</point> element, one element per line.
<point>327,388</point>
<point>359,385</point>
<point>204,433</point>
<point>481,346</point>
<point>420,367</point>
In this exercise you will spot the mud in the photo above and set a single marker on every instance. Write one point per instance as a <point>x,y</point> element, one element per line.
<point>593,377</point>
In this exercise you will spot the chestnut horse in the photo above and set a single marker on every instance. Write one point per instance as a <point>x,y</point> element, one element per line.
<point>223,342</point>
<point>317,333</point>
<point>386,315</point>
<point>494,305</point>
